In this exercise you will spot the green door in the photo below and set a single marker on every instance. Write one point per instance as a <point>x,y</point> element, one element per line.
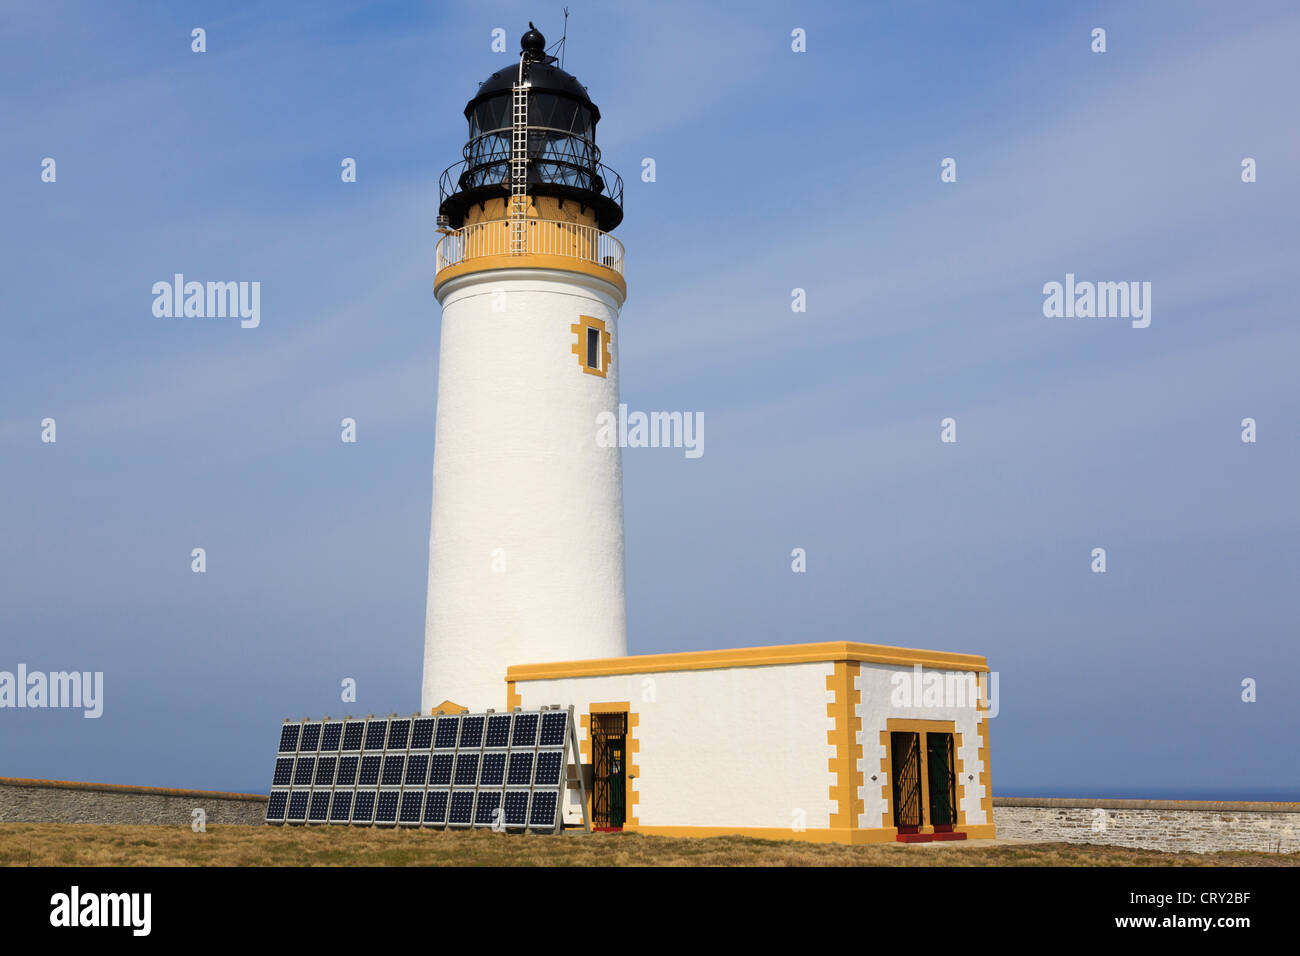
<point>942,779</point>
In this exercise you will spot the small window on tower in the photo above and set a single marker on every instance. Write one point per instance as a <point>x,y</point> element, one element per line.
<point>592,345</point>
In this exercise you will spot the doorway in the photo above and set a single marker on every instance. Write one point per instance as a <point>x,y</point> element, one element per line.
<point>609,771</point>
<point>908,811</point>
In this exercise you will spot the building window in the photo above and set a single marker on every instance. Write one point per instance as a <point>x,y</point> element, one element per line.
<point>592,346</point>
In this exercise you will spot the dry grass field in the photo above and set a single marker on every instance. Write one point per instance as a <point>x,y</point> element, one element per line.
<point>23,844</point>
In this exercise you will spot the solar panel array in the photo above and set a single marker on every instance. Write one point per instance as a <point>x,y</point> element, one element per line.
<point>505,771</point>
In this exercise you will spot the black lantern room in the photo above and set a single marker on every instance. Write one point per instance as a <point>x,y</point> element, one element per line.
<point>563,159</point>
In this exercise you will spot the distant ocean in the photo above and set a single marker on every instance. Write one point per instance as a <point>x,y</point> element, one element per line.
<point>1248,794</point>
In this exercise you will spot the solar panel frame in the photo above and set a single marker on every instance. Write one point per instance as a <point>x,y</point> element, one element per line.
<point>492,769</point>
<point>363,805</point>
<point>523,733</point>
<point>466,775</point>
<point>442,767</point>
<point>554,730</point>
<point>354,735</point>
<point>289,735</point>
<point>496,736</point>
<point>538,818</point>
<point>417,770</point>
<point>372,765</point>
<point>472,727</point>
<point>387,805</point>
<point>330,734</point>
<point>318,810</point>
<point>447,733</point>
<point>460,810</point>
<point>486,805</point>
<point>437,801</point>
<point>298,801</point>
<point>422,730</point>
<point>341,806</point>
<point>399,734</point>
<point>326,767</point>
<point>514,804</point>
<point>376,734</point>
<point>282,775</point>
<point>546,763</point>
<point>304,770</point>
<point>411,811</point>
<point>277,806</point>
<point>394,770</point>
<point>519,771</point>
<point>309,740</point>
<point>347,771</point>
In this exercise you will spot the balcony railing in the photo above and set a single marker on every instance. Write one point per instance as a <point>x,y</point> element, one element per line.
<point>540,237</point>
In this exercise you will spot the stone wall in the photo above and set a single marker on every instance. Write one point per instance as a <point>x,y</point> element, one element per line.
<point>58,801</point>
<point>1198,826</point>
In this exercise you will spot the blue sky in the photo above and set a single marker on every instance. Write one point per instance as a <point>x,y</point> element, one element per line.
<point>775,170</point>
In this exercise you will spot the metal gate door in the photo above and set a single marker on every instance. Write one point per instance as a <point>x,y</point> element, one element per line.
<point>943,779</point>
<point>609,771</point>
<point>906,752</point>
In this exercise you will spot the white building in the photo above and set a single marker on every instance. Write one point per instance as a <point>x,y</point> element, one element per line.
<point>832,741</point>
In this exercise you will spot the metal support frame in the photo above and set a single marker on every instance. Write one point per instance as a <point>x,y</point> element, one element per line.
<point>570,768</point>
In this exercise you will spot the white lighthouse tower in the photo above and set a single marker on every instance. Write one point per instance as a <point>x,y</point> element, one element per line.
<point>526,547</point>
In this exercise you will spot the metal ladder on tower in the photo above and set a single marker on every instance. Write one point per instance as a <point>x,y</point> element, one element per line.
<point>519,169</point>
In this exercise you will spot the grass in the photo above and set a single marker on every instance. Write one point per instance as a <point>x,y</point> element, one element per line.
<point>41,844</point>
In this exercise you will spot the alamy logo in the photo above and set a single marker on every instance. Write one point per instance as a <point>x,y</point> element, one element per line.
<point>1100,300</point>
<point>654,430</point>
<point>74,908</point>
<point>210,300</point>
<point>72,689</point>
<point>930,689</point>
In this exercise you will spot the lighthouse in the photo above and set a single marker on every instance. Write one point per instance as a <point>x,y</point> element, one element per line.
<point>526,541</point>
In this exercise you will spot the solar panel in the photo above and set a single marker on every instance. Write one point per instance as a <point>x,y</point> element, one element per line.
<point>466,770</point>
<point>341,807</point>
<point>310,738</point>
<point>515,813</point>
<point>283,772</point>
<point>353,734</point>
<point>525,732</point>
<point>521,769</point>
<point>554,725</point>
<point>487,811</point>
<point>386,806</point>
<point>394,770</point>
<point>399,731</point>
<point>549,765</point>
<point>330,735</point>
<point>440,770</point>
<point>448,730</point>
<point>498,731</point>
<point>471,731</point>
<point>369,774</point>
<point>417,770</point>
<point>276,806</point>
<point>493,773</point>
<point>363,806</point>
<point>325,771</point>
<point>412,804</point>
<point>320,806</point>
<point>298,806</point>
<point>482,770</point>
<point>289,738</point>
<point>347,772</point>
<point>461,812</point>
<point>543,810</point>
<point>304,771</point>
<point>422,733</point>
<point>435,807</point>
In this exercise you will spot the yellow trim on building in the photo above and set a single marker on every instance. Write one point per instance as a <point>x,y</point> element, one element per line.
<point>530,261</point>
<point>448,707</point>
<point>982,727</point>
<point>579,348</point>
<point>748,657</point>
<point>843,736</point>
<point>904,725</point>
<point>513,699</point>
<point>852,837</point>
